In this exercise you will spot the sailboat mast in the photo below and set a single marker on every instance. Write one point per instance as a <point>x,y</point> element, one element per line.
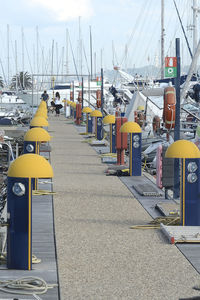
<point>67,52</point>
<point>162,40</point>
<point>23,56</point>
<point>8,50</point>
<point>16,68</point>
<point>80,47</point>
<point>195,10</point>
<point>91,55</point>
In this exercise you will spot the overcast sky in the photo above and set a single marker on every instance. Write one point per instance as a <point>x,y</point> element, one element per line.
<point>115,24</point>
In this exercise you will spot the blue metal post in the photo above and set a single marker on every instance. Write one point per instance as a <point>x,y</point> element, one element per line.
<point>177,122</point>
<point>112,139</point>
<point>19,241</point>
<point>89,122</point>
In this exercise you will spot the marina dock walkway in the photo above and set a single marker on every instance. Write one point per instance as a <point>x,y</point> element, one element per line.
<point>99,256</point>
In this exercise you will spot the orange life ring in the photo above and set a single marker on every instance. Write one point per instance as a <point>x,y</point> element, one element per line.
<point>169,110</point>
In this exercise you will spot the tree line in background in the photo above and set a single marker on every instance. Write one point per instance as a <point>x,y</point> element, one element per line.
<point>21,81</point>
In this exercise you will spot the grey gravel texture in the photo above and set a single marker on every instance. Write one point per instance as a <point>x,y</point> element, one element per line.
<point>99,256</point>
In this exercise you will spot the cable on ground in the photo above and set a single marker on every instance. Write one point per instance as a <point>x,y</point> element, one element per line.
<point>42,192</point>
<point>155,224</point>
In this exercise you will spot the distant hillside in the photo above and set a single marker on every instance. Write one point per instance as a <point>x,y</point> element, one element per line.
<point>147,71</point>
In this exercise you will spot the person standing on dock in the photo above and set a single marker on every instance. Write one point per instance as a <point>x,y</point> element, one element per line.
<point>58,104</point>
<point>45,97</point>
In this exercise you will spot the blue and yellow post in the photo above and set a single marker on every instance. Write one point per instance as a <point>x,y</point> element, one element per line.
<point>189,154</point>
<point>110,119</point>
<point>73,105</point>
<point>87,110</point>
<point>135,158</point>
<point>33,138</point>
<point>19,207</point>
<point>98,124</point>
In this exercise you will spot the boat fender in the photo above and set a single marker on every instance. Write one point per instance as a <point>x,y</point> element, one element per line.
<point>71,96</point>
<point>121,137</point>
<point>156,124</point>
<point>159,167</point>
<point>169,110</point>
<point>98,96</point>
<point>135,116</point>
<point>78,110</point>
<point>79,97</point>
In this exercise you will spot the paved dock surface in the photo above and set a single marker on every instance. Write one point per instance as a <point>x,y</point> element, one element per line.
<point>99,256</point>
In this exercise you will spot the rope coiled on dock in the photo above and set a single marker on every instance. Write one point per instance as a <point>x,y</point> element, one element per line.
<point>26,286</point>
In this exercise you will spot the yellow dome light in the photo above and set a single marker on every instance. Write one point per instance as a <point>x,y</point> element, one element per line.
<point>130,127</point>
<point>86,110</point>
<point>37,135</point>
<point>96,113</point>
<point>30,166</point>
<point>182,149</point>
<point>39,122</point>
<point>109,119</point>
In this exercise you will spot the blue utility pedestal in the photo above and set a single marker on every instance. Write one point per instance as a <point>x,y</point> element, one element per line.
<point>19,208</point>
<point>97,123</point>
<point>135,159</point>
<point>189,154</point>
<point>110,119</point>
<point>87,110</point>
<point>99,128</point>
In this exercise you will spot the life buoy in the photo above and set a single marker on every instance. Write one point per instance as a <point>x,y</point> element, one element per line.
<point>156,123</point>
<point>169,109</point>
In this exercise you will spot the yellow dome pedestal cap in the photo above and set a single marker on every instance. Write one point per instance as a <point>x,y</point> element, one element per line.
<point>37,135</point>
<point>73,104</point>
<point>86,110</point>
<point>96,113</point>
<point>30,166</point>
<point>41,114</point>
<point>39,122</point>
<point>42,109</point>
<point>182,149</point>
<point>42,104</point>
<point>130,127</point>
<point>109,119</point>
